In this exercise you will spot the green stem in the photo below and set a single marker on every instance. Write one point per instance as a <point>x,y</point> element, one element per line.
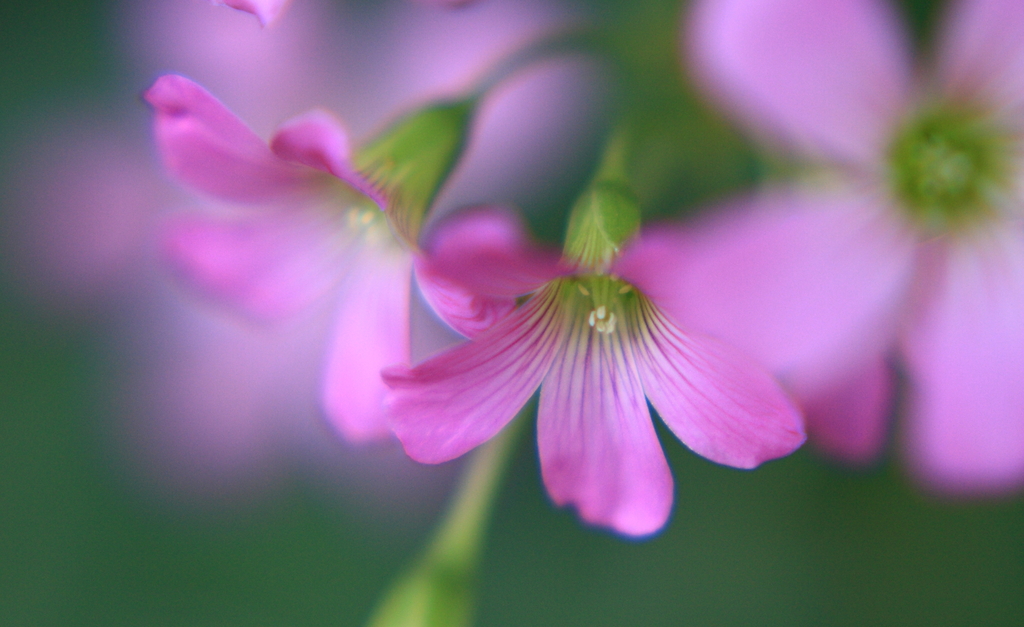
<point>558,44</point>
<point>438,589</point>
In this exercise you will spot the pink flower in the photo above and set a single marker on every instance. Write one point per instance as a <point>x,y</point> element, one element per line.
<point>908,236</point>
<point>88,207</point>
<point>313,222</point>
<point>596,345</point>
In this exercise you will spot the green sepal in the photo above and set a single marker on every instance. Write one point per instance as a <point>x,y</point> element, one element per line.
<point>604,217</point>
<point>410,161</point>
<point>606,214</point>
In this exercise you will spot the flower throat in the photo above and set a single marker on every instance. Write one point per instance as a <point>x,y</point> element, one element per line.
<point>949,166</point>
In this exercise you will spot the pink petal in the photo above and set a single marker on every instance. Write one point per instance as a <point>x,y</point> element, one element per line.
<point>318,140</point>
<point>965,353</point>
<point>455,401</point>
<point>371,331</point>
<point>468,313</point>
<point>488,251</point>
<point>807,285</point>
<point>268,268</point>
<point>849,421</point>
<point>598,449</point>
<point>982,56</point>
<point>266,11</point>
<point>206,146</point>
<point>717,402</point>
<point>828,76</point>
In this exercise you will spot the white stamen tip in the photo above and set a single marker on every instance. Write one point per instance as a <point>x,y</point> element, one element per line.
<point>606,326</point>
<point>591,319</point>
<point>602,312</point>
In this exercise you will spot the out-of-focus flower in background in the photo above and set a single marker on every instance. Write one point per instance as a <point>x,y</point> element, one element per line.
<point>906,235</point>
<point>209,402</point>
<point>310,222</point>
<point>266,11</point>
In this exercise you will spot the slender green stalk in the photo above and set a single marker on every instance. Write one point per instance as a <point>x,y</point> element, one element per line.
<point>561,43</point>
<point>438,590</point>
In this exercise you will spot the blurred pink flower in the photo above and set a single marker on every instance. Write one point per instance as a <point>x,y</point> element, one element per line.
<point>266,11</point>
<point>312,222</point>
<point>908,234</point>
<point>596,346</point>
<point>211,401</point>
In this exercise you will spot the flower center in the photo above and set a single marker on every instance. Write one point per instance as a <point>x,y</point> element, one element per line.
<point>368,223</point>
<point>949,166</point>
<point>602,298</point>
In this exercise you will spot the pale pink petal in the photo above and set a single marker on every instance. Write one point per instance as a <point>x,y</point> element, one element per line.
<point>269,267</point>
<point>455,401</point>
<point>266,11</point>
<point>981,56</point>
<point>965,354</point>
<point>808,285</point>
<point>318,140</point>
<point>466,312</point>
<point>849,421</point>
<point>717,402</point>
<point>598,449</point>
<point>827,76</point>
<point>488,251</point>
<point>206,146</point>
<point>371,331</point>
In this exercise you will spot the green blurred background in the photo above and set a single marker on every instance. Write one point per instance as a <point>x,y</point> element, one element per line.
<point>798,542</point>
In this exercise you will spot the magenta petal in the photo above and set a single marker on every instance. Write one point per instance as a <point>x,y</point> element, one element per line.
<point>982,53</point>
<point>717,402</point>
<point>206,146</point>
<point>849,421</point>
<point>598,449</point>
<point>318,140</point>
<point>829,76</point>
<point>455,401</point>
<point>268,268</point>
<point>371,331</point>
<point>468,313</point>
<point>488,251</point>
<point>266,11</point>
<point>965,354</point>
<point>807,285</point>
